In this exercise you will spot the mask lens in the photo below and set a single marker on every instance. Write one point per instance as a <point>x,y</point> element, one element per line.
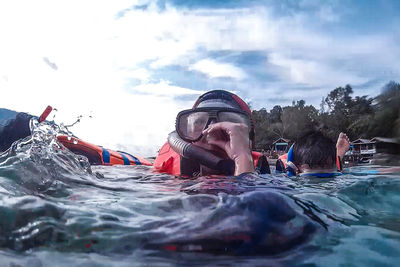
<point>233,117</point>
<point>191,125</point>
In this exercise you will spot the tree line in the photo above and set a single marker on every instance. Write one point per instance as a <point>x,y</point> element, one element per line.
<point>358,117</point>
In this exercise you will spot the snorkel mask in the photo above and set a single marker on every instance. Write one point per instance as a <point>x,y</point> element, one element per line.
<point>191,123</point>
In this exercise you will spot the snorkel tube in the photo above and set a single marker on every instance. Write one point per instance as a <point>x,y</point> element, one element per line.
<point>45,113</point>
<point>201,155</point>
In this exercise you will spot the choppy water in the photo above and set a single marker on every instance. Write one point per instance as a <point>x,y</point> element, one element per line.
<point>56,210</point>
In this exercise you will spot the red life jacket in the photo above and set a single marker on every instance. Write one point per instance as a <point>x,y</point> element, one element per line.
<point>168,161</point>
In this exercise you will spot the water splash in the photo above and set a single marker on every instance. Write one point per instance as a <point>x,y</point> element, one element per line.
<point>65,129</point>
<point>39,161</point>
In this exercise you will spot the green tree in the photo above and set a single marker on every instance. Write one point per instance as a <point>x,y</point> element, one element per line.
<point>359,117</point>
<point>386,121</point>
<point>275,114</point>
<point>298,119</point>
<point>261,124</point>
<point>339,100</point>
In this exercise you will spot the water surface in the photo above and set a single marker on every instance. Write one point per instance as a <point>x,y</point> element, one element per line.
<point>57,210</point>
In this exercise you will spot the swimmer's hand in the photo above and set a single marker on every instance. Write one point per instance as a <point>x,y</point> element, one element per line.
<point>234,140</point>
<point>342,145</point>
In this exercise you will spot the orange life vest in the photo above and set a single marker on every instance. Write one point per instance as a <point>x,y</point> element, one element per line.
<point>283,158</point>
<point>168,161</point>
<point>98,155</point>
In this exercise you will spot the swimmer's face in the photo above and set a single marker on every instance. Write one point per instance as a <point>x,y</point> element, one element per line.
<point>204,143</point>
<point>329,168</point>
<point>199,121</point>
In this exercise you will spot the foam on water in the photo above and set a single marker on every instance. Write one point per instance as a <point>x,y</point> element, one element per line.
<point>55,207</point>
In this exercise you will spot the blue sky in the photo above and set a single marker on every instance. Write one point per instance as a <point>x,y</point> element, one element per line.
<point>292,49</point>
<point>133,64</point>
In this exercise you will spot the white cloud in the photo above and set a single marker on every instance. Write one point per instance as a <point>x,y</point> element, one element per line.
<point>328,14</point>
<point>163,88</point>
<point>313,73</point>
<point>171,36</point>
<point>141,74</point>
<point>214,69</point>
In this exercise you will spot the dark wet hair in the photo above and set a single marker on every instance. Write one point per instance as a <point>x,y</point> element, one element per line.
<point>315,150</point>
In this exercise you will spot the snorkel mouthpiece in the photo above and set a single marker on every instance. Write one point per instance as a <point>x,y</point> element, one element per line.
<point>201,155</point>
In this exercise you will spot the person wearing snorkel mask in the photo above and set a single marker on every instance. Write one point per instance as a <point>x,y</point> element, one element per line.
<point>314,154</point>
<point>216,136</point>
